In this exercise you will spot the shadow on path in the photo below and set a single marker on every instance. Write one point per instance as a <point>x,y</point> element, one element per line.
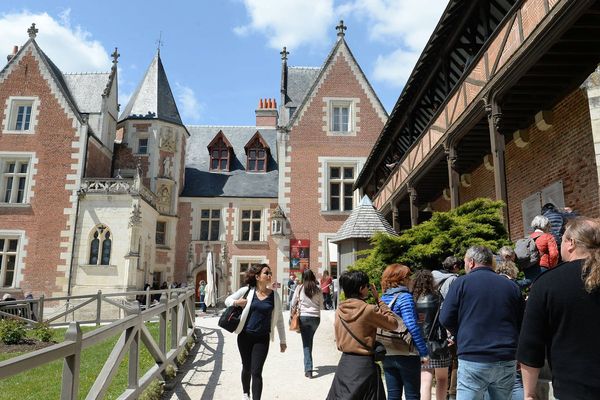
<point>208,349</point>
<point>324,370</point>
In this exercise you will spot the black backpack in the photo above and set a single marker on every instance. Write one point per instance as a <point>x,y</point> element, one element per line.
<point>527,253</point>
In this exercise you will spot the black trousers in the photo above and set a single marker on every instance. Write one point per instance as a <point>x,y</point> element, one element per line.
<point>253,350</point>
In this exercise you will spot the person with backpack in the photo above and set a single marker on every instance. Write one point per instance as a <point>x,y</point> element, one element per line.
<point>557,221</point>
<point>402,368</point>
<point>538,252</point>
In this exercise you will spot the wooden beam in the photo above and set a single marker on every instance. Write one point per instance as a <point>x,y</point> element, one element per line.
<point>414,209</point>
<point>395,221</point>
<point>453,175</point>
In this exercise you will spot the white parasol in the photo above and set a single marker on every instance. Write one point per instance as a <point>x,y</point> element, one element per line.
<point>209,298</point>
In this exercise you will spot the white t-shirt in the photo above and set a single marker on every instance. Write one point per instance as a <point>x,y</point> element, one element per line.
<point>308,307</point>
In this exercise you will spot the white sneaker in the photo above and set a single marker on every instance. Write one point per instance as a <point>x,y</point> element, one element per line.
<point>246,396</point>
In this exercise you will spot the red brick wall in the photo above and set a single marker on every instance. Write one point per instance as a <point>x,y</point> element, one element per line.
<point>183,241</point>
<point>482,185</point>
<point>98,165</point>
<point>44,219</point>
<point>125,159</point>
<point>308,141</point>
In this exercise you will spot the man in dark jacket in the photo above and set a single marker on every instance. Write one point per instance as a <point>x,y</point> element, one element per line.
<point>484,310</point>
<point>556,219</point>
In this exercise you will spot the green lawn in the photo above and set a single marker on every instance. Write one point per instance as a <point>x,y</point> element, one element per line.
<point>44,382</point>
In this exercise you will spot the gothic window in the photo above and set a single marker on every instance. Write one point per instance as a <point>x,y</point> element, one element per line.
<point>100,246</point>
<point>220,151</point>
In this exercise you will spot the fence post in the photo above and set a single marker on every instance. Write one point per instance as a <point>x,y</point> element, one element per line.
<point>162,340</point>
<point>70,373</point>
<point>134,349</point>
<point>40,314</point>
<point>174,322</point>
<point>98,307</point>
<point>148,297</point>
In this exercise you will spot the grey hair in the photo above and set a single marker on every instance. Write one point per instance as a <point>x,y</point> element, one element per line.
<point>480,254</point>
<point>507,253</point>
<point>540,222</point>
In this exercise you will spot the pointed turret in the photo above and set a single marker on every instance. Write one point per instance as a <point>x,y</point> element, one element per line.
<point>153,98</point>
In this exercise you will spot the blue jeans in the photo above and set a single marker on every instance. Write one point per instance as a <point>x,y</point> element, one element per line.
<point>202,303</point>
<point>402,371</point>
<point>308,327</point>
<point>495,378</point>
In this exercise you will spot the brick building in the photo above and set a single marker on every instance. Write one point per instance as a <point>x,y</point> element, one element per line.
<point>501,104</point>
<point>93,200</point>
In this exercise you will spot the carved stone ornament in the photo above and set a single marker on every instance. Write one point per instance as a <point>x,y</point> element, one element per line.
<point>164,195</point>
<point>168,167</point>
<point>168,141</point>
<point>136,216</point>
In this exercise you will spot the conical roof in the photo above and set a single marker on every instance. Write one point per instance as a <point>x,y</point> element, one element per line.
<point>153,98</point>
<point>363,222</point>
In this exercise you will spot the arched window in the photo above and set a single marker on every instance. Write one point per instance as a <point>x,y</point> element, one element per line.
<point>100,246</point>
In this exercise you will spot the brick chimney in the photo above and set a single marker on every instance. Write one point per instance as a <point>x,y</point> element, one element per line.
<point>14,53</point>
<point>266,113</point>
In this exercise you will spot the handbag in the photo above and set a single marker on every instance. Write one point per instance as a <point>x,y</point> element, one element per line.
<point>398,342</point>
<point>295,313</point>
<point>230,319</point>
<point>379,351</point>
<point>437,346</point>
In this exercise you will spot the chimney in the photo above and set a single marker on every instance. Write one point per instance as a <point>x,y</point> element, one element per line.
<point>14,53</point>
<point>266,113</point>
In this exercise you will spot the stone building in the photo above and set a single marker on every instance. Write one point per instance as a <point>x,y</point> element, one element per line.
<point>93,200</point>
<point>501,104</point>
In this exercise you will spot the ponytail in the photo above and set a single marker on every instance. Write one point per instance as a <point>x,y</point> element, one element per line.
<point>586,234</point>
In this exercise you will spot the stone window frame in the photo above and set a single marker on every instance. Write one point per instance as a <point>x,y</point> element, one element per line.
<point>165,236</point>
<point>10,114</point>
<point>325,163</point>
<point>236,262</point>
<point>139,147</point>
<point>261,220</point>
<point>211,220</point>
<point>8,156</point>
<point>19,255</point>
<point>103,230</point>
<point>352,104</point>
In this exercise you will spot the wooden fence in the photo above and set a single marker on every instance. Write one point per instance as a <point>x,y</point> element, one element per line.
<point>176,305</point>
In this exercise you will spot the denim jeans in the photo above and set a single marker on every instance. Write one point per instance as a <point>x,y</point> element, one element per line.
<point>402,372</point>
<point>308,327</point>
<point>495,378</point>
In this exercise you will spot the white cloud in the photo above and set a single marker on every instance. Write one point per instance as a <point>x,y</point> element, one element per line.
<point>188,104</point>
<point>290,23</point>
<point>406,23</point>
<point>71,49</point>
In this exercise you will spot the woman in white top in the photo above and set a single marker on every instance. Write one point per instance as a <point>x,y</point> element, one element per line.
<point>310,301</point>
<point>262,313</point>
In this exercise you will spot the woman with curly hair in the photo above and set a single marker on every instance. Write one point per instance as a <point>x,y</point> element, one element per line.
<point>403,370</point>
<point>428,302</point>
<point>310,302</point>
<point>261,314</point>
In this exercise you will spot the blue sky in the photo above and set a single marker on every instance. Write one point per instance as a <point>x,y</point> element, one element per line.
<point>221,56</point>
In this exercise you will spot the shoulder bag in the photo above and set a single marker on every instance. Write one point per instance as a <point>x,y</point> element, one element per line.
<point>398,342</point>
<point>230,319</point>
<point>437,344</point>
<point>378,350</point>
<point>295,313</point>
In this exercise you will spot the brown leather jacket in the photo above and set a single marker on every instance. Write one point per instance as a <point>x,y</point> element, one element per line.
<point>363,319</point>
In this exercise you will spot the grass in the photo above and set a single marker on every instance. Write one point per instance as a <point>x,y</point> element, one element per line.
<point>44,382</point>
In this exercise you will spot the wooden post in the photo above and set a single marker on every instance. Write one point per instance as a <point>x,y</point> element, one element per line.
<point>162,341</point>
<point>494,115</point>
<point>98,307</point>
<point>134,350</point>
<point>40,315</point>
<point>174,322</point>
<point>453,175</point>
<point>70,374</point>
<point>414,209</point>
<point>395,222</point>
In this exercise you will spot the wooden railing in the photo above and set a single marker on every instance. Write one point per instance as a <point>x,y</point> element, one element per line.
<point>176,306</point>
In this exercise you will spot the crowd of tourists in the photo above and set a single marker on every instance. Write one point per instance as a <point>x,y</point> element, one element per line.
<point>485,334</point>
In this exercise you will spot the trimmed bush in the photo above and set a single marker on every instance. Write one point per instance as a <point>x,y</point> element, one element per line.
<point>12,331</point>
<point>42,331</point>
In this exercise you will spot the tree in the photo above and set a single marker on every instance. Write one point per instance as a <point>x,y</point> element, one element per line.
<point>426,245</point>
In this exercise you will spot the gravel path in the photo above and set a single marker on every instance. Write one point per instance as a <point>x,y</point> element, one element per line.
<point>213,369</point>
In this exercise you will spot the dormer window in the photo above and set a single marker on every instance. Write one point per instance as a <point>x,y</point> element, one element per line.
<point>220,153</point>
<point>257,151</point>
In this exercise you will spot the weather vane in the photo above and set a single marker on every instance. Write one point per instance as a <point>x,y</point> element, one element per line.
<point>159,42</point>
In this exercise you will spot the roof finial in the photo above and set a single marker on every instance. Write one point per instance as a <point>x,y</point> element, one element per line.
<point>115,55</point>
<point>341,28</point>
<point>284,53</point>
<point>159,43</point>
<point>32,31</point>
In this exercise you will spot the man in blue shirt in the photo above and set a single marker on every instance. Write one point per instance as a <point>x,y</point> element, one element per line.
<point>484,311</point>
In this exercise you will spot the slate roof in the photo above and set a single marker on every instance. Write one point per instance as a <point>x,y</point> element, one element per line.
<point>300,80</point>
<point>87,90</point>
<point>153,97</point>
<point>201,182</point>
<point>363,222</point>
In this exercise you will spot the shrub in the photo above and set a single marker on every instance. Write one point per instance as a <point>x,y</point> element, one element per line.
<point>170,371</point>
<point>154,391</point>
<point>12,331</point>
<point>182,356</point>
<point>42,331</point>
